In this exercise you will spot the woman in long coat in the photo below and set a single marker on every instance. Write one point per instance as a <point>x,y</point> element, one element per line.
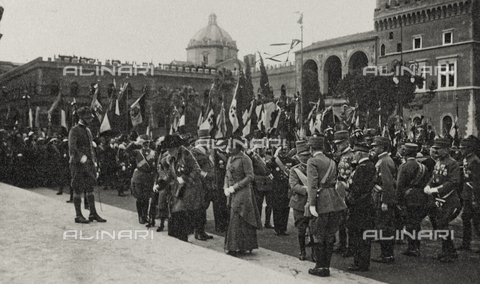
<point>241,234</point>
<point>182,174</point>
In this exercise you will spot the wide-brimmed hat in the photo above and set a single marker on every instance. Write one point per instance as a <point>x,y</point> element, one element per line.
<point>301,147</point>
<point>143,139</point>
<point>340,136</point>
<point>381,141</point>
<point>441,143</point>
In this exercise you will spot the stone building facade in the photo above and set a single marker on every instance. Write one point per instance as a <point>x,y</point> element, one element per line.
<point>442,35</point>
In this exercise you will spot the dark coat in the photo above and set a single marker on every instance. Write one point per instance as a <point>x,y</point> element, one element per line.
<point>360,203</point>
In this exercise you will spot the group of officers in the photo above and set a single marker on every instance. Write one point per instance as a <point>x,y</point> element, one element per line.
<point>351,184</point>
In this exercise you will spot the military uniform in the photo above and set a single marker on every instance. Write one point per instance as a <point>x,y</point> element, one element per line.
<point>361,211</point>
<point>298,197</point>
<point>384,193</point>
<point>470,194</point>
<point>344,169</point>
<point>262,185</point>
<point>280,167</point>
<point>412,178</point>
<point>83,165</point>
<point>220,208</point>
<point>204,158</point>
<point>328,203</point>
<point>443,187</point>
<point>144,175</point>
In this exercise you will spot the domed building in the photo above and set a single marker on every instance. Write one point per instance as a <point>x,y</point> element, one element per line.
<point>212,46</point>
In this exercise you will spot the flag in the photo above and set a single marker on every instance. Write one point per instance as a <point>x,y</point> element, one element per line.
<point>221,125</point>
<point>137,110</point>
<point>200,118</point>
<point>247,120</point>
<point>277,118</point>
<point>260,111</point>
<point>37,117</point>
<point>30,118</point>
<point>208,123</point>
<point>95,105</point>
<point>54,105</point>
<point>300,20</point>
<point>105,126</point>
<point>264,84</point>
<point>117,108</point>
<point>233,109</point>
<point>63,118</point>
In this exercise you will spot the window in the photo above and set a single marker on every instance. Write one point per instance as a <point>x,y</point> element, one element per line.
<point>205,59</point>
<point>447,37</point>
<point>417,42</point>
<point>422,72</point>
<point>382,50</point>
<point>399,47</point>
<point>447,71</point>
<point>390,36</point>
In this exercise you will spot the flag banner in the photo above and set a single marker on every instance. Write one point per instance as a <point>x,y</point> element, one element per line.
<point>117,108</point>
<point>221,125</point>
<point>136,110</point>
<point>247,129</point>
<point>181,122</point>
<point>233,109</point>
<point>37,117</point>
<point>54,105</point>
<point>63,118</point>
<point>30,118</point>
<point>208,123</point>
<point>105,126</point>
<point>199,121</point>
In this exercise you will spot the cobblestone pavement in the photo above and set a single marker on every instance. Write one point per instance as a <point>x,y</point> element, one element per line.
<point>40,243</point>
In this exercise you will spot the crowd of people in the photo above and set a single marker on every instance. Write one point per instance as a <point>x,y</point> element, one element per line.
<point>340,189</point>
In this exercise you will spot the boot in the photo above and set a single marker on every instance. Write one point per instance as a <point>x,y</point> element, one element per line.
<point>60,190</point>
<point>151,216</point>
<point>77,202</point>
<point>85,200</point>
<point>93,212</point>
<point>141,217</point>
<point>71,196</point>
<point>268,215</point>
<point>162,225</point>
<point>303,255</point>
<point>319,270</point>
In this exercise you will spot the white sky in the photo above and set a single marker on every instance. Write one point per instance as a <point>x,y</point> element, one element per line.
<point>158,31</point>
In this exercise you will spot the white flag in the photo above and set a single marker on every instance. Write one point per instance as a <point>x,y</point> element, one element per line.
<point>233,110</point>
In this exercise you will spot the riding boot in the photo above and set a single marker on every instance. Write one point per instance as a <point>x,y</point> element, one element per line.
<point>93,212</point>
<point>162,225</point>
<point>301,242</point>
<point>77,202</point>
<point>141,217</point>
<point>71,196</point>
<point>85,200</point>
<point>151,216</point>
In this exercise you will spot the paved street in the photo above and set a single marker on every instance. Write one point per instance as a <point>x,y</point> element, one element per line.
<point>35,220</point>
<point>34,250</point>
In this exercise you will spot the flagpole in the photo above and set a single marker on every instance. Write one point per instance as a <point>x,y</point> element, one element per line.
<point>301,73</point>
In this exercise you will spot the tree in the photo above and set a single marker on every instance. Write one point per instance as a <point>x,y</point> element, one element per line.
<point>377,97</point>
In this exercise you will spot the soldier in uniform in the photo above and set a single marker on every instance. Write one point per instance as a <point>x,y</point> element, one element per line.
<point>124,173</point>
<point>470,192</point>
<point>344,157</point>
<point>280,165</point>
<point>412,178</point>
<point>443,187</point>
<point>83,165</point>
<point>220,208</point>
<point>385,201</point>
<point>262,183</point>
<point>204,156</point>
<point>298,194</point>
<point>325,204</point>
<point>144,175</point>
<point>361,208</point>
